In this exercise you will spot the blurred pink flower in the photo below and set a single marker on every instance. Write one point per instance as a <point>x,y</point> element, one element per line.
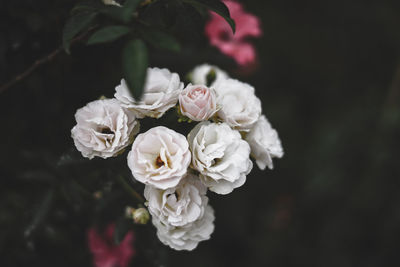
<point>234,45</point>
<point>105,252</point>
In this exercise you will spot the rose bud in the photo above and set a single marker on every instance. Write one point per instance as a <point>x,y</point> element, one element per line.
<point>141,216</point>
<point>197,102</point>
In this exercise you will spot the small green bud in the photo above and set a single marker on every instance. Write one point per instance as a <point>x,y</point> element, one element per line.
<point>141,216</point>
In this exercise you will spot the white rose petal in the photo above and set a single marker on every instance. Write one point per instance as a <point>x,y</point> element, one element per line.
<point>240,108</point>
<point>199,74</point>
<point>220,155</point>
<point>103,129</point>
<point>189,236</point>
<point>178,206</point>
<point>159,157</point>
<point>161,92</point>
<point>264,143</point>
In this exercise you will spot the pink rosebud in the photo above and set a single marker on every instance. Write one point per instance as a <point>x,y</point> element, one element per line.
<point>197,102</point>
<point>105,252</point>
<point>234,45</point>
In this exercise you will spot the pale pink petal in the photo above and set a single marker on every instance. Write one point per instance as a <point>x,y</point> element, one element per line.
<point>243,53</point>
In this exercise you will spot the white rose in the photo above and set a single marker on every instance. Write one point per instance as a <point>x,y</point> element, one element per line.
<point>264,143</point>
<point>159,157</point>
<point>103,129</point>
<point>189,236</point>
<point>197,102</point>
<point>178,206</point>
<point>161,92</point>
<point>240,108</point>
<point>220,155</point>
<point>199,74</point>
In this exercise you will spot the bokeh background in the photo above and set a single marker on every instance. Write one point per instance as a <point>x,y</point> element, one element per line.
<point>329,80</point>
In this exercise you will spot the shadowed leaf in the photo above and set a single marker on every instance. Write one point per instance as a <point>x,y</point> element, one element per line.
<point>75,25</point>
<point>108,34</point>
<point>122,227</point>
<point>217,6</point>
<point>161,40</point>
<point>124,13</point>
<point>134,65</point>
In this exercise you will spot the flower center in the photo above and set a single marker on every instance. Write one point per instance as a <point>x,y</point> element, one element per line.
<point>197,92</point>
<point>162,160</point>
<point>159,162</point>
<point>106,130</point>
<point>225,36</point>
<point>216,161</point>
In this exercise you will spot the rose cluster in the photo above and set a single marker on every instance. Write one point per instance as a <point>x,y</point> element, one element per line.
<point>177,170</point>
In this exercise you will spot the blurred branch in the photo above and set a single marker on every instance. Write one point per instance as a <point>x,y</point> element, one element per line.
<point>40,62</point>
<point>41,212</point>
<point>31,69</point>
<point>129,189</point>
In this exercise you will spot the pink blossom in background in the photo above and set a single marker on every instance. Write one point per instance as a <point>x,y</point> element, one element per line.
<point>105,252</point>
<point>234,45</point>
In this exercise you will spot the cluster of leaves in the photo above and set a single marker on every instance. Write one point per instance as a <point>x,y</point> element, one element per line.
<point>64,189</point>
<point>108,23</point>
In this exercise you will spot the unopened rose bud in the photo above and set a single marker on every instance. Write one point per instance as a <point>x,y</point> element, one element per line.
<point>141,216</point>
<point>197,102</point>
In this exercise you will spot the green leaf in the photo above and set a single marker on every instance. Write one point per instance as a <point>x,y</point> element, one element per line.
<point>124,13</point>
<point>161,40</point>
<point>122,227</point>
<point>211,77</point>
<point>87,6</point>
<point>217,6</point>
<point>116,13</point>
<point>134,66</point>
<point>131,5</point>
<point>75,25</point>
<point>108,34</point>
<point>40,213</point>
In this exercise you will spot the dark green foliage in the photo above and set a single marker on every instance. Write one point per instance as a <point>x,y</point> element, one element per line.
<point>211,76</point>
<point>123,14</point>
<point>83,14</point>
<point>329,82</point>
<point>122,226</point>
<point>128,8</point>
<point>134,65</point>
<point>108,34</point>
<point>87,6</point>
<point>216,6</point>
<point>76,24</point>
<point>161,40</point>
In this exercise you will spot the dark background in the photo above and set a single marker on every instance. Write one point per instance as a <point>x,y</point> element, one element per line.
<point>329,80</point>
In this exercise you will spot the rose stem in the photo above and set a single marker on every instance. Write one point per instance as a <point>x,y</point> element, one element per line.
<point>129,189</point>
